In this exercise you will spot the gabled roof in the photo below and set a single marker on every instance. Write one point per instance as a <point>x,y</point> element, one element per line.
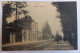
<point>26,18</point>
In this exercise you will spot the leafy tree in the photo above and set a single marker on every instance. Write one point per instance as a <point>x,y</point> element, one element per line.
<point>68,16</point>
<point>11,6</point>
<point>58,38</point>
<point>7,11</point>
<point>46,31</point>
<point>8,8</point>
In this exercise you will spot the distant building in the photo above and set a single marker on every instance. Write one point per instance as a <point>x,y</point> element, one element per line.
<point>30,29</point>
<point>24,30</point>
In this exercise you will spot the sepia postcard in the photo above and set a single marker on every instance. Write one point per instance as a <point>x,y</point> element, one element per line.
<point>39,25</point>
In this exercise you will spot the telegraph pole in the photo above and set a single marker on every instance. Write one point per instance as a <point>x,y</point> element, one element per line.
<point>16,14</point>
<point>16,10</point>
